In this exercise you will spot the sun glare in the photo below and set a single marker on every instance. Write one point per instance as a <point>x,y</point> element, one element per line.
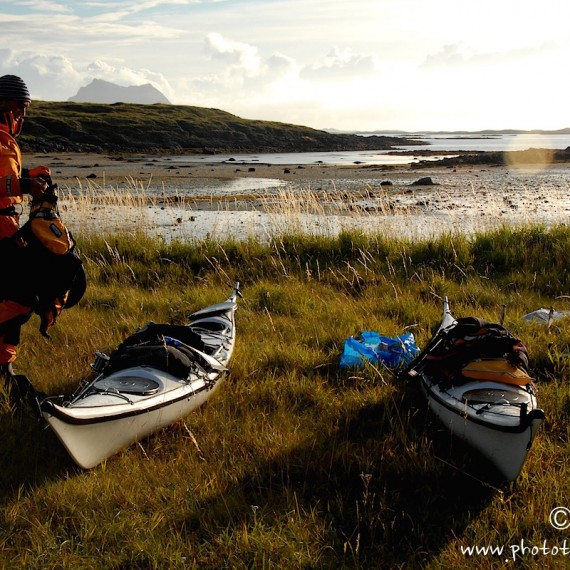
<point>537,157</point>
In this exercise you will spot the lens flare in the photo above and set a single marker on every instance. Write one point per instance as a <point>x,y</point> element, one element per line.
<point>536,158</point>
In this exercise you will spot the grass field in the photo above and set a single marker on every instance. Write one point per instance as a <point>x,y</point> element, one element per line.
<point>294,463</point>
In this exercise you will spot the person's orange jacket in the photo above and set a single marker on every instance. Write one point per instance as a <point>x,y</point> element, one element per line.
<point>10,172</point>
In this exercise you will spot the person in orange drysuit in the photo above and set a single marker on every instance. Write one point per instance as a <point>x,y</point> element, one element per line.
<point>14,183</point>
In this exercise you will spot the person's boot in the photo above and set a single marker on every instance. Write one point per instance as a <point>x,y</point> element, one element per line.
<point>24,393</point>
<point>6,372</point>
<point>10,386</point>
<point>7,375</point>
<point>20,390</point>
<point>16,389</point>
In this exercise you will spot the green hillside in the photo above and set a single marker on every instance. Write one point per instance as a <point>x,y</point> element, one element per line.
<point>125,127</point>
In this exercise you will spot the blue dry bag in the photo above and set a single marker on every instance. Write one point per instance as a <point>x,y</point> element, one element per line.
<point>369,346</point>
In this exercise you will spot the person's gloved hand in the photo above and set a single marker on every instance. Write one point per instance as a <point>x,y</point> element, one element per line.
<point>34,186</point>
<point>40,171</point>
<point>49,313</point>
<point>35,181</point>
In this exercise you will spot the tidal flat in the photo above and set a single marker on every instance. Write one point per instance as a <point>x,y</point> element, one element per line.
<point>187,200</point>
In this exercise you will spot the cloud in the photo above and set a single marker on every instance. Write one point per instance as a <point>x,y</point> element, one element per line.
<point>46,6</point>
<point>448,55</point>
<point>238,69</point>
<point>279,65</point>
<point>280,78</point>
<point>341,63</point>
<point>238,55</point>
<point>325,89</point>
<point>47,77</point>
<point>458,54</point>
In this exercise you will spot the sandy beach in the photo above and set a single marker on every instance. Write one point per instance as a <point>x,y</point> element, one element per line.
<point>185,199</point>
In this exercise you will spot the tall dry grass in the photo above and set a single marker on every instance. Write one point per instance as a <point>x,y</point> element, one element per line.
<point>410,212</point>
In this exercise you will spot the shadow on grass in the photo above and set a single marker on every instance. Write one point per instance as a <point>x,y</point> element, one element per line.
<point>29,454</point>
<point>371,486</point>
<point>400,510</point>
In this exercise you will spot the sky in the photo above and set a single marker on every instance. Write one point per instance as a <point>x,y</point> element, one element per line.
<point>353,65</point>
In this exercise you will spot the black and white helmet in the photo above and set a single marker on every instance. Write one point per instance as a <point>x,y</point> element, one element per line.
<point>13,88</point>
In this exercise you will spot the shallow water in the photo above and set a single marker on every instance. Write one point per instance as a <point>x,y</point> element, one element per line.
<point>231,187</point>
<point>302,158</point>
<point>473,201</point>
<point>444,143</point>
<point>489,143</point>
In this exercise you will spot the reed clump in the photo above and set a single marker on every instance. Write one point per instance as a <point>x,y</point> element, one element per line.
<point>294,462</point>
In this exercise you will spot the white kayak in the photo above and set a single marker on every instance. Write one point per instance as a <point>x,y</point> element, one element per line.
<point>156,377</point>
<point>497,417</point>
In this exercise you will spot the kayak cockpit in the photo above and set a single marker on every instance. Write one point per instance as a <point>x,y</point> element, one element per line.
<point>134,385</point>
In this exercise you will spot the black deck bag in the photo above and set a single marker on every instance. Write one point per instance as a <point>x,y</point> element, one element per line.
<point>149,347</point>
<point>153,333</point>
<point>170,359</point>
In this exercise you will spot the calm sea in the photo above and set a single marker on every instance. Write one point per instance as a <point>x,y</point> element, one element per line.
<point>443,143</point>
<point>451,142</point>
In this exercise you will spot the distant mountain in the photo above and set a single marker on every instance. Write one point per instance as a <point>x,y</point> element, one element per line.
<point>100,91</point>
